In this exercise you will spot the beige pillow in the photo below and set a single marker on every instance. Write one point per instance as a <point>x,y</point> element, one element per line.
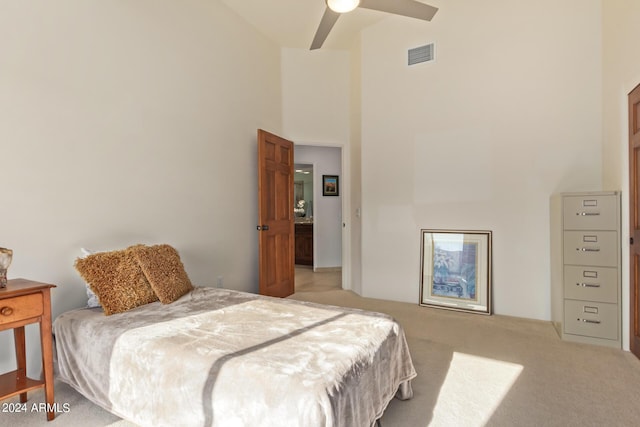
<point>162,266</point>
<point>117,280</point>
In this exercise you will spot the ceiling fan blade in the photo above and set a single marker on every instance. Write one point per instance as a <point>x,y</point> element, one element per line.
<point>410,8</point>
<point>326,24</point>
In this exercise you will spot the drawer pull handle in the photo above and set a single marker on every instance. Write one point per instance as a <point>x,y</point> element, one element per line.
<point>588,249</point>
<point>588,285</point>
<point>6,311</point>
<point>588,213</point>
<point>597,322</point>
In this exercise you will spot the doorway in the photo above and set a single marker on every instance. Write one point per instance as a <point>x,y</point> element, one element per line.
<point>319,224</point>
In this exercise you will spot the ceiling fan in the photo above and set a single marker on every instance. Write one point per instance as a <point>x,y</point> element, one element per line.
<point>410,8</point>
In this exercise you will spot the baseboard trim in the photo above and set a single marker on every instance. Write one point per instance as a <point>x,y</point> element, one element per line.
<point>327,269</point>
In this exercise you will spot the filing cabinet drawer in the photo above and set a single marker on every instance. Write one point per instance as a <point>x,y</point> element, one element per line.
<point>590,212</point>
<point>591,248</point>
<point>591,283</point>
<point>591,319</point>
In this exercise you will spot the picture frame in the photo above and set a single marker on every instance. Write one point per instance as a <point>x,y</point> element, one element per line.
<point>330,185</point>
<point>456,270</point>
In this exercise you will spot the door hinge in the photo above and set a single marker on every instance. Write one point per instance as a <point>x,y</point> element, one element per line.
<point>631,240</point>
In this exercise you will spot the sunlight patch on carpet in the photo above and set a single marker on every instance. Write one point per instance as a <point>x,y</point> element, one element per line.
<point>473,389</point>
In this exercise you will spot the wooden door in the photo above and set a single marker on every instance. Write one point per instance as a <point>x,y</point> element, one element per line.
<point>275,215</point>
<point>634,221</point>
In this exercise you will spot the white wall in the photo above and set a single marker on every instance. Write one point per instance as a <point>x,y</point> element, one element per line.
<point>327,210</point>
<point>621,20</point>
<point>130,122</point>
<point>315,96</point>
<point>509,113</point>
<point>355,177</point>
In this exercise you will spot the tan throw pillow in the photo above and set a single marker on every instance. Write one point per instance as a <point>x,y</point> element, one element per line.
<point>117,280</point>
<point>162,266</point>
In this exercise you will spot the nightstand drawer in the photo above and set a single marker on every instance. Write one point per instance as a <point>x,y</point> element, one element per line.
<point>20,308</point>
<point>590,212</point>
<point>591,283</point>
<point>591,248</point>
<point>591,319</point>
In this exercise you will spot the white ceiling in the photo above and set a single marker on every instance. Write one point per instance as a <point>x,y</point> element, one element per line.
<point>293,23</point>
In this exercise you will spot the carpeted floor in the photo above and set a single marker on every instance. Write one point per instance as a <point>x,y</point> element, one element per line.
<point>476,370</point>
<point>473,370</point>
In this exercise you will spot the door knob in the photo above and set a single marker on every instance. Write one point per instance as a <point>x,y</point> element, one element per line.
<point>262,227</point>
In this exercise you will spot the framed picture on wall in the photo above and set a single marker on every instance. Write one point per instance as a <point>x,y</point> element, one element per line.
<point>456,270</point>
<point>330,185</point>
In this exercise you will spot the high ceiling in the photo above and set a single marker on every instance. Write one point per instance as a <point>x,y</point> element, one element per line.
<point>293,23</point>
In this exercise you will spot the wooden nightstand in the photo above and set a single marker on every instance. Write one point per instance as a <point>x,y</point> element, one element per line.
<point>23,302</point>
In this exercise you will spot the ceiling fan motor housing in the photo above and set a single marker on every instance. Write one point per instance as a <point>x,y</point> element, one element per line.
<point>342,6</point>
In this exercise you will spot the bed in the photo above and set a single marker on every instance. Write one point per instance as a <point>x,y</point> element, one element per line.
<point>217,357</point>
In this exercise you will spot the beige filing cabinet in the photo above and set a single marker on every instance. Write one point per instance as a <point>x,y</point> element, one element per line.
<point>585,267</point>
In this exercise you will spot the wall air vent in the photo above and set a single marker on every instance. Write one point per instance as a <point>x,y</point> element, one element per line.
<point>421,54</point>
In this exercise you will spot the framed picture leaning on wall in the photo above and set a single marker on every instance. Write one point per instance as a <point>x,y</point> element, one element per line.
<point>456,270</point>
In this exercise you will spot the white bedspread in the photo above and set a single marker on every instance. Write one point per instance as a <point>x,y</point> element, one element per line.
<point>225,358</point>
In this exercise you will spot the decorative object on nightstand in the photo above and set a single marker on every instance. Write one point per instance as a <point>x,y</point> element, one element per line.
<point>23,302</point>
<point>6,255</point>
<point>585,267</point>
